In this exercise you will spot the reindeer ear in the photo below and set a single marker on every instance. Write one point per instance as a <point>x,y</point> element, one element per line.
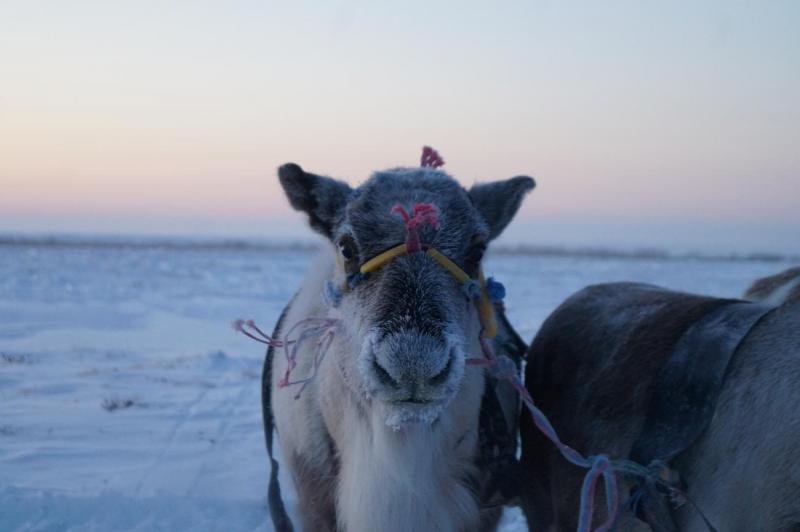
<point>499,201</point>
<point>323,199</point>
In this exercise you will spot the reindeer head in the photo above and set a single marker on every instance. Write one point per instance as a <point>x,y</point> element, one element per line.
<point>408,325</point>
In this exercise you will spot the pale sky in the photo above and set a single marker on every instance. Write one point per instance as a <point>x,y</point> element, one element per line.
<point>672,124</point>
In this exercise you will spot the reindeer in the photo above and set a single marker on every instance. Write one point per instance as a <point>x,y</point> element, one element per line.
<point>776,289</point>
<point>385,437</point>
<point>704,391</point>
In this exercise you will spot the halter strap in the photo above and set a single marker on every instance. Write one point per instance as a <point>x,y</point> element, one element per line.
<point>381,259</point>
<point>484,305</point>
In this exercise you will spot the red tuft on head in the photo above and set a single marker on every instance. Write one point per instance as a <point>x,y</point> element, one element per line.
<point>431,158</point>
<point>421,214</point>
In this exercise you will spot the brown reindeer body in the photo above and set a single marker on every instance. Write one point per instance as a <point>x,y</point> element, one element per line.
<point>597,367</point>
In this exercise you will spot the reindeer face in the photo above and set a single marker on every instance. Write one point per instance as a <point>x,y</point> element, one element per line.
<point>410,323</point>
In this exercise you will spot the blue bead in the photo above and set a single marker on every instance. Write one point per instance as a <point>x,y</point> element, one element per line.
<point>495,289</point>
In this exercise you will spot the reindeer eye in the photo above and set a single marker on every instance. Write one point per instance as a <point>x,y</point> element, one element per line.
<point>349,252</point>
<point>346,251</point>
<point>475,255</point>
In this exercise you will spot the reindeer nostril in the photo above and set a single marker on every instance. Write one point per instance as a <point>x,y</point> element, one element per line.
<point>383,375</point>
<point>441,377</point>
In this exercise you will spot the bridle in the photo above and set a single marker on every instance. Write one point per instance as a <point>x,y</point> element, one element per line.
<point>484,292</point>
<point>480,289</point>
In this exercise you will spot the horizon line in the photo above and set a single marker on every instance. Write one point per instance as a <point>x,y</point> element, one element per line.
<point>76,240</point>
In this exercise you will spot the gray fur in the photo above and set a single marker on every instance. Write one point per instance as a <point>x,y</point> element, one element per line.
<point>322,198</point>
<point>499,213</point>
<point>592,368</point>
<point>776,289</point>
<point>393,405</point>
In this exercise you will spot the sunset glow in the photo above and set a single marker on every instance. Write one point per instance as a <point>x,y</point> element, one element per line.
<point>172,117</point>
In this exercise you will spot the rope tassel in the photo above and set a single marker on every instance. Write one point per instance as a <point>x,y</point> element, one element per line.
<point>503,368</point>
<point>422,214</point>
<point>430,158</point>
<point>324,329</point>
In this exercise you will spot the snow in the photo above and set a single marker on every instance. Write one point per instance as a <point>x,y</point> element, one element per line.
<point>128,403</point>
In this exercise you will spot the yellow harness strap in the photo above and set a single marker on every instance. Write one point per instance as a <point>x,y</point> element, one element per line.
<point>379,261</point>
<point>484,306</point>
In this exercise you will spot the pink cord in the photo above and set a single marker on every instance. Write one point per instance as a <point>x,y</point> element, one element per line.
<point>422,214</point>
<point>239,326</point>
<point>503,368</point>
<point>430,158</point>
<point>324,328</point>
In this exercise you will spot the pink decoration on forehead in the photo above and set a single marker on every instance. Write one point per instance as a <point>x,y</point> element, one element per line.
<point>421,214</point>
<point>431,158</point>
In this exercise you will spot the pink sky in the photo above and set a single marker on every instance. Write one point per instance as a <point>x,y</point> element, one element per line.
<point>138,117</point>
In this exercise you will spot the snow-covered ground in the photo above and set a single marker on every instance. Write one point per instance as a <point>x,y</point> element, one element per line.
<point>128,403</point>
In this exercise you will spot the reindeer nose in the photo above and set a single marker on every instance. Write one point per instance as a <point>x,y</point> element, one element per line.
<point>412,362</point>
<point>387,379</point>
